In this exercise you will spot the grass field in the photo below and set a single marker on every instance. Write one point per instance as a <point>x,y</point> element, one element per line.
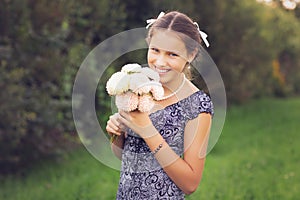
<point>257,157</point>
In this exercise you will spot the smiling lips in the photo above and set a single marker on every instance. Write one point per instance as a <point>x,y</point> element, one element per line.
<point>162,71</point>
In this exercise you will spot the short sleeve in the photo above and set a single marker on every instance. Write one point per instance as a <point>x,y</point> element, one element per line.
<point>197,103</point>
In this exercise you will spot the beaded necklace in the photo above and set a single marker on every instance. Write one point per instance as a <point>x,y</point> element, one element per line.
<point>176,91</point>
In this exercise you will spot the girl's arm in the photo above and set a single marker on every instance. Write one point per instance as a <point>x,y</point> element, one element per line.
<point>186,172</point>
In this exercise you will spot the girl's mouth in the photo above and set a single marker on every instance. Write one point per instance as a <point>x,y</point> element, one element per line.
<point>162,71</point>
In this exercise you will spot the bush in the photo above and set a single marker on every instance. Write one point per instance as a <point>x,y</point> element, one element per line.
<point>35,115</point>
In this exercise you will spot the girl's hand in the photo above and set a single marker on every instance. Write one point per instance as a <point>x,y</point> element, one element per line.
<point>139,122</point>
<point>114,126</point>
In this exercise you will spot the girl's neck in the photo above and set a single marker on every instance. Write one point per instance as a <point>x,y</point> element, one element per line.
<point>172,88</point>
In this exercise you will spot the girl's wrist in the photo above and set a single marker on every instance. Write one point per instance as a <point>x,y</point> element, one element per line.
<point>148,132</point>
<point>158,148</point>
<point>163,153</point>
<point>166,156</point>
<point>154,142</point>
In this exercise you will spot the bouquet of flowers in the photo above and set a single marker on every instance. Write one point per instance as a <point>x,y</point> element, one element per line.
<point>135,88</point>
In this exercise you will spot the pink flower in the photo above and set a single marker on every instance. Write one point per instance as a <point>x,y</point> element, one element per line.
<point>146,103</point>
<point>157,92</point>
<point>144,89</point>
<point>127,101</point>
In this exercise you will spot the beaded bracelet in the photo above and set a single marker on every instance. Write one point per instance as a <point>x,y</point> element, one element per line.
<point>158,148</point>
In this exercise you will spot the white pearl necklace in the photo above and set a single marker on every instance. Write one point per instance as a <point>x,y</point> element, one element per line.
<point>178,89</point>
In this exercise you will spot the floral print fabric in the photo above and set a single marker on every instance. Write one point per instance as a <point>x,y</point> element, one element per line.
<point>141,175</point>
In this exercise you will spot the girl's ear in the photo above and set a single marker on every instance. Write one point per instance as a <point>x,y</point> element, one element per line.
<point>192,56</point>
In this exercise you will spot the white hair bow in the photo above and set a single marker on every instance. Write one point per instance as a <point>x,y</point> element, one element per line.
<point>202,34</point>
<point>151,21</point>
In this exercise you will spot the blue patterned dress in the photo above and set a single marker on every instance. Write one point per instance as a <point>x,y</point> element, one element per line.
<point>141,175</point>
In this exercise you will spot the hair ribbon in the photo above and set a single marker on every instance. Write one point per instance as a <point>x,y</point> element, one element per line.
<point>151,21</point>
<point>202,34</point>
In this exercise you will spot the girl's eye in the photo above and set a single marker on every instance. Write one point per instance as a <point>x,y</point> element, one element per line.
<point>173,54</point>
<point>154,49</point>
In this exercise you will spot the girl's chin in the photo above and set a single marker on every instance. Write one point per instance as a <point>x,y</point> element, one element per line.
<point>163,74</point>
<point>165,78</point>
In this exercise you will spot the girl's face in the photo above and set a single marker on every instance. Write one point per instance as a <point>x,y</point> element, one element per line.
<point>167,55</point>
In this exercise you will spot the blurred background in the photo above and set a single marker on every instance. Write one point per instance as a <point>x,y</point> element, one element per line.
<point>255,44</point>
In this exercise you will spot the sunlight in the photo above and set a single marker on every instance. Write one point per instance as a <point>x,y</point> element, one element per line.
<point>287,4</point>
<point>264,1</point>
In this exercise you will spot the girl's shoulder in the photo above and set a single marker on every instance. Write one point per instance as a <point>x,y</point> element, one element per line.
<point>196,103</point>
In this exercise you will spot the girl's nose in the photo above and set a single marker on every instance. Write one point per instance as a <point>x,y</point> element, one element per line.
<point>161,61</point>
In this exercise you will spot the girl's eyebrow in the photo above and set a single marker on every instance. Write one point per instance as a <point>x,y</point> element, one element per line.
<point>167,51</point>
<point>174,52</point>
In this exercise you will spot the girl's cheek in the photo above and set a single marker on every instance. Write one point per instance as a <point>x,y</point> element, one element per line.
<point>151,57</point>
<point>179,66</point>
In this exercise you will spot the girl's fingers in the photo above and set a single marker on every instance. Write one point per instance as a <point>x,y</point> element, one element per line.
<point>112,131</point>
<point>113,125</point>
<point>118,122</point>
<point>114,119</point>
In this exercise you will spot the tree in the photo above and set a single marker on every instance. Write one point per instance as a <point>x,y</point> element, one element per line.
<point>246,38</point>
<point>36,117</point>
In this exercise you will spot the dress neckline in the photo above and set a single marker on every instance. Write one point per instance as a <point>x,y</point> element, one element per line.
<point>176,103</point>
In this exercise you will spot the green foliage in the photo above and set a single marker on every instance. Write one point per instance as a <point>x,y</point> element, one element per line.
<point>246,38</point>
<point>43,43</point>
<point>35,110</point>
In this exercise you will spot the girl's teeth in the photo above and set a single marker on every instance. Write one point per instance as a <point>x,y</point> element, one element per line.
<point>162,70</point>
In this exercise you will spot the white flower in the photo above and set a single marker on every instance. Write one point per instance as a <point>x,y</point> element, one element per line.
<point>137,80</point>
<point>131,68</point>
<point>150,73</point>
<point>118,83</point>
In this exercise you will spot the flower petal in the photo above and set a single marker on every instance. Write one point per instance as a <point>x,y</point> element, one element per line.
<point>127,101</point>
<point>131,68</point>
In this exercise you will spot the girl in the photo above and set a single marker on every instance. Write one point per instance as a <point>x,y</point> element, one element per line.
<point>163,152</point>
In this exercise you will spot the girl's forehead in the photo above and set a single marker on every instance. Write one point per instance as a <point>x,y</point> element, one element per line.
<point>168,41</point>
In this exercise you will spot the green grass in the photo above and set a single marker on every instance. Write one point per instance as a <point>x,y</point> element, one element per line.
<point>257,157</point>
<point>78,177</point>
